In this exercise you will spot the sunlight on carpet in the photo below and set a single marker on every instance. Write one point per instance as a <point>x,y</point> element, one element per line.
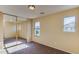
<point>13,43</point>
<point>17,48</point>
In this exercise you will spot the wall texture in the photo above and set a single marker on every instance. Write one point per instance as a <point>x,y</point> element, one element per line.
<point>1,26</point>
<point>10,30</point>
<point>53,35</point>
<point>1,32</point>
<point>25,30</point>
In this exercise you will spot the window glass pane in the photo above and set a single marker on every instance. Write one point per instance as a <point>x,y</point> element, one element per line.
<point>69,24</point>
<point>37,25</point>
<point>37,28</point>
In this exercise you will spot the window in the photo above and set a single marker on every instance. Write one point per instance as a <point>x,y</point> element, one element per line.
<point>69,24</point>
<point>37,29</point>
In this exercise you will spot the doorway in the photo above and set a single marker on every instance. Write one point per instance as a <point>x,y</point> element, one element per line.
<point>12,34</point>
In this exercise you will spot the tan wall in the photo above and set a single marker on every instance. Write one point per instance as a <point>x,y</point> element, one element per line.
<point>25,30</point>
<point>9,30</point>
<point>52,33</point>
<point>1,27</point>
<point>1,32</point>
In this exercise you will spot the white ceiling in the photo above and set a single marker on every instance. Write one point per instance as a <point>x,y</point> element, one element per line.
<point>23,11</point>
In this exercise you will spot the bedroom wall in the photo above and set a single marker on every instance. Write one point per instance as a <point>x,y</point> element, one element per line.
<point>25,30</point>
<point>10,30</point>
<point>1,26</point>
<point>2,51</point>
<point>52,33</point>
